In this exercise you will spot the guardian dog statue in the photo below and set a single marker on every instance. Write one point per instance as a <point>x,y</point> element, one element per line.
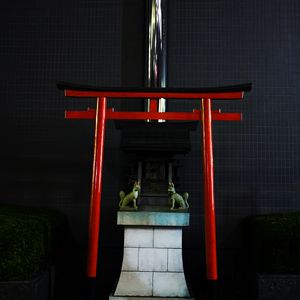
<point>128,202</point>
<point>177,201</point>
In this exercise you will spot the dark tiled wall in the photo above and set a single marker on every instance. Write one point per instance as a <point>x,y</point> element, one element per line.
<point>47,160</point>
<point>228,42</point>
<point>257,161</point>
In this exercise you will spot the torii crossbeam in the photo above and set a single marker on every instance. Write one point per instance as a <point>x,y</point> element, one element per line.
<point>206,116</point>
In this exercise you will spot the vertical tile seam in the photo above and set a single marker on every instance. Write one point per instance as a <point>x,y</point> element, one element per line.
<point>153,228</point>
<point>138,266</point>
<point>167,259</point>
<point>152,284</point>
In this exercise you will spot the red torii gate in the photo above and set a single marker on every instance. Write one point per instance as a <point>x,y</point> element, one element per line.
<point>206,115</point>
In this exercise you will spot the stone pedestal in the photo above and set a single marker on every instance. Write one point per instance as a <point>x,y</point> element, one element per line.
<point>152,263</point>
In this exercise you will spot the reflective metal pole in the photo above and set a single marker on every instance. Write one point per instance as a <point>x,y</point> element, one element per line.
<point>157,49</point>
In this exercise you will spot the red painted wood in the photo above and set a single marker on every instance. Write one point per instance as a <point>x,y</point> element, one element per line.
<point>209,209</point>
<point>171,116</point>
<point>193,116</point>
<point>153,105</point>
<point>95,204</point>
<point>154,95</point>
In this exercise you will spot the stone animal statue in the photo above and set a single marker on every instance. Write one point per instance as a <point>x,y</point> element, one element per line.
<point>128,202</point>
<point>177,201</point>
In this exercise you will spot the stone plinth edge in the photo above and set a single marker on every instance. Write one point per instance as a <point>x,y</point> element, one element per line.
<point>146,298</point>
<point>153,218</point>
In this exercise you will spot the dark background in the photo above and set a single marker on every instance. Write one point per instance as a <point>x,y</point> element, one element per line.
<point>47,161</point>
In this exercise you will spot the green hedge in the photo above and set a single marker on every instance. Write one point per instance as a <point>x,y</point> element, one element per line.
<point>29,239</point>
<point>272,242</point>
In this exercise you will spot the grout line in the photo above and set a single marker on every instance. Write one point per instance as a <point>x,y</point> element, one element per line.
<point>153,231</point>
<point>138,266</point>
<point>167,260</point>
<point>152,282</point>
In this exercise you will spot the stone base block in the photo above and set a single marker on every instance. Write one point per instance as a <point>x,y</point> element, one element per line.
<point>152,262</point>
<point>156,284</point>
<point>150,218</point>
<point>134,284</point>
<point>168,284</point>
<point>146,298</point>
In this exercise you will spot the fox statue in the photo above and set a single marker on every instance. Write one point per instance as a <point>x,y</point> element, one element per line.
<point>177,201</point>
<point>125,201</point>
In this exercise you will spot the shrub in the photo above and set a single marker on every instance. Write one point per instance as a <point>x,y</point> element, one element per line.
<point>28,240</point>
<point>272,242</point>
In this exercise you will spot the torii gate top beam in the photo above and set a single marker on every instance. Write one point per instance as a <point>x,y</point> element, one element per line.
<point>220,93</point>
<point>235,92</point>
